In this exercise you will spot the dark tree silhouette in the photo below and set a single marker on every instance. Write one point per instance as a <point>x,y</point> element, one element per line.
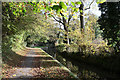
<point>110,23</point>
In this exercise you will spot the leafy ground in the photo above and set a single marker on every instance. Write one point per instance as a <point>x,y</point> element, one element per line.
<point>37,65</point>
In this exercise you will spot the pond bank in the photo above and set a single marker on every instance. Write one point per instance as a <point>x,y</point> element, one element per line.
<point>83,67</point>
<point>108,63</point>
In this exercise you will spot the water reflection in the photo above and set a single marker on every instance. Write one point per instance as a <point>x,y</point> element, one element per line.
<point>78,69</point>
<point>82,70</point>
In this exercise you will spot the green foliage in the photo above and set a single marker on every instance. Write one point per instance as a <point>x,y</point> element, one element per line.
<point>88,42</point>
<point>100,1</point>
<point>10,18</point>
<point>85,44</point>
<point>17,40</point>
<point>17,8</point>
<point>59,7</point>
<point>62,5</point>
<point>78,2</point>
<point>73,4</point>
<point>56,7</point>
<point>42,31</point>
<point>61,47</point>
<point>14,26</point>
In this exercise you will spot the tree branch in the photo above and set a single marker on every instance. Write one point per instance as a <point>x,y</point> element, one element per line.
<point>70,17</point>
<point>89,5</point>
<point>82,2</point>
<point>57,20</point>
<point>64,20</point>
<point>61,14</point>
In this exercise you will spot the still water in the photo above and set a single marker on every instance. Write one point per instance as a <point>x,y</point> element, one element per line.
<point>82,70</point>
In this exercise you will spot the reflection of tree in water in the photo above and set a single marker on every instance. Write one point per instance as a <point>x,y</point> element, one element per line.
<point>72,67</point>
<point>85,74</point>
<point>82,70</point>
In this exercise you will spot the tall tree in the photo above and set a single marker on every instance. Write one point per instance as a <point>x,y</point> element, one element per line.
<point>62,14</point>
<point>82,9</point>
<point>109,23</point>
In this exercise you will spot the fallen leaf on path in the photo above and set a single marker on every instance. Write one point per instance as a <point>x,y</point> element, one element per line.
<point>14,75</point>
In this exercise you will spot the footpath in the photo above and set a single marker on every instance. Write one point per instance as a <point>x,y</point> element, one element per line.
<point>39,65</point>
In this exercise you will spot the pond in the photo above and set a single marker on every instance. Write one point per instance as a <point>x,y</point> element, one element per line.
<point>81,69</point>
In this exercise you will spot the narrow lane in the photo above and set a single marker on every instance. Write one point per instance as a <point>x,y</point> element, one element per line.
<point>38,65</point>
<point>26,68</point>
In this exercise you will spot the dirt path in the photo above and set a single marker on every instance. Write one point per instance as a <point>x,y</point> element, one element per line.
<point>26,68</point>
<point>38,65</point>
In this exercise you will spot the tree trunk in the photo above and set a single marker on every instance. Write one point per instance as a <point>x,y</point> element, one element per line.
<point>82,25</point>
<point>65,28</point>
<point>66,31</point>
<point>66,35</point>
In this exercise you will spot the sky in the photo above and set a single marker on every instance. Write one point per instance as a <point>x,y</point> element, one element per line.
<point>94,7</point>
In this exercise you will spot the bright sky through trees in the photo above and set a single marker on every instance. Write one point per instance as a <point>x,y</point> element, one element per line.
<point>94,7</point>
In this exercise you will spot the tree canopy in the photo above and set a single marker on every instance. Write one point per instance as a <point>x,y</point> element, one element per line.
<point>109,23</point>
